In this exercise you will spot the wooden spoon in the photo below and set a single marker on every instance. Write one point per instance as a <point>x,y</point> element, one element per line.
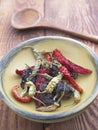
<point>30,18</point>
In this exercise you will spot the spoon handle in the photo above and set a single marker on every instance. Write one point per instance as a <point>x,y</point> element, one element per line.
<point>45,24</point>
<point>91,38</point>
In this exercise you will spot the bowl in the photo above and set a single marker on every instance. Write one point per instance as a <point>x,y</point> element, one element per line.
<point>74,50</point>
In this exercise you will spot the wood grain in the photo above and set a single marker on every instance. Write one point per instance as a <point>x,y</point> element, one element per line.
<point>11,121</point>
<point>74,15</point>
<point>80,16</point>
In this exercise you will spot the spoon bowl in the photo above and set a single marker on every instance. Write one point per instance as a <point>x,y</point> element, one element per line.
<point>25,18</point>
<point>30,18</point>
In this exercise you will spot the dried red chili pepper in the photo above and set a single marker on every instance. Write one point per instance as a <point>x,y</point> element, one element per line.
<point>20,72</point>
<point>70,79</point>
<point>48,56</point>
<point>16,95</point>
<point>69,64</point>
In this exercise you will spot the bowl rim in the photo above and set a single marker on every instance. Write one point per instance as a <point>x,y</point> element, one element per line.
<point>55,117</point>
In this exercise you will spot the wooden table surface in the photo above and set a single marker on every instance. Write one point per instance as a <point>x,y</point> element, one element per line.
<point>77,15</point>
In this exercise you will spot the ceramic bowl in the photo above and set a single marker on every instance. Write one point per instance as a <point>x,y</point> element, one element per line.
<point>74,50</point>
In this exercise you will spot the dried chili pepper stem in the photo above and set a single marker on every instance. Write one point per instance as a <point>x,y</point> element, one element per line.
<point>76,95</point>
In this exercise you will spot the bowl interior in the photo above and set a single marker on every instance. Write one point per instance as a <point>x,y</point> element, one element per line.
<point>73,50</point>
